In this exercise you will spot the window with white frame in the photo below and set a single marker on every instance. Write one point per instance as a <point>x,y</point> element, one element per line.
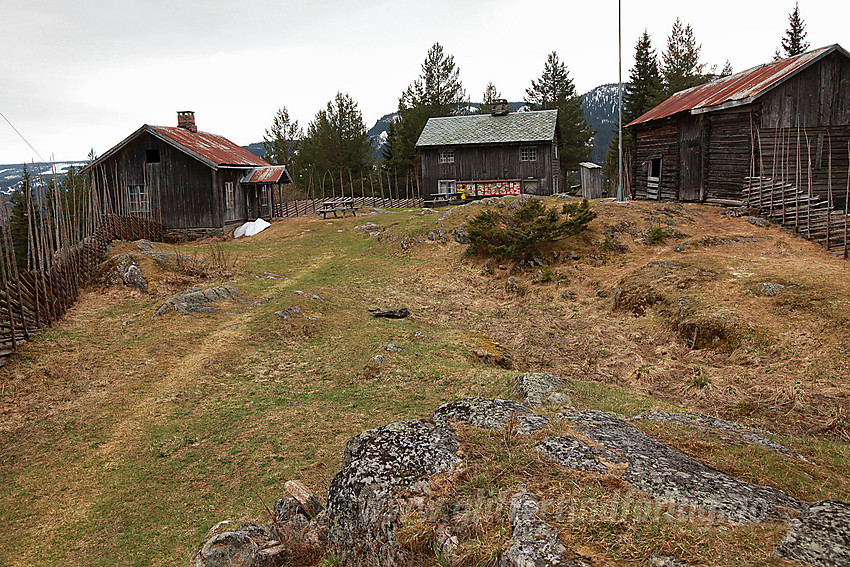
<point>138,199</point>
<point>263,196</point>
<point>445,186</point>
<point>447,156</point>
<point>528,153</point>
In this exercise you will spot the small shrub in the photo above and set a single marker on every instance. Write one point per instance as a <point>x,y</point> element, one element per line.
<point>657,235</point>
<point>519,234</point>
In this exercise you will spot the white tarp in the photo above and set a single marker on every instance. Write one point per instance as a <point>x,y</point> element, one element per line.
<point>251,228</point>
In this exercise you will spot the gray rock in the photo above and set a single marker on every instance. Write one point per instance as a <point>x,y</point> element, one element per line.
<point>727,430</point>
<point>145,245</point>
<point>663,561</point>
<point>364,502</point>
<point>576,454</point>
<point>171,259</point>
<point>533,386</point>
<point>391,347</point>
<point>308,295</point>
<point>758,221</point>
<point>460,235</point>
<point>398,313</point>
<point>193,300</point>
<point>769,289</point>
<point>521,200</point>
<point>559,399</point>
<point>670,476</point>
<point>489,414</point>
<point>567,294</point>
<point>438,235</point>
<point>230,549</point>
<point>379,359</point>
<point>289,312</point>
<point>821,537</point>
<point>534,543</point>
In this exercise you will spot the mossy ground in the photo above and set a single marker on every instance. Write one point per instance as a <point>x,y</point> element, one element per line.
<point>125,438</point>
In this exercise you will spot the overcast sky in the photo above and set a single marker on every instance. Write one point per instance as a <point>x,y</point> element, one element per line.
<point>85,74</point>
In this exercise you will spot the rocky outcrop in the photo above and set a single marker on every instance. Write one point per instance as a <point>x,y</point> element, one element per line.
<point>534,543</point>
<point>122,270</point>
<point>194,300</point>
<point>394,476</point>
<point>821,537</point>
<point>534,387</point>
<point>382,470</point>
<point>230,549</point>
<point>670,476</point>
<point>490,414</point>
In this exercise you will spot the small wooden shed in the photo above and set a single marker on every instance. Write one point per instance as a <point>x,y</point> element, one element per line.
<point>702,144</point>
<point>591,180</point>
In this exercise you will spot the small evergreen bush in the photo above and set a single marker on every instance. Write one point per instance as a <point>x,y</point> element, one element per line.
<point>520,233</point>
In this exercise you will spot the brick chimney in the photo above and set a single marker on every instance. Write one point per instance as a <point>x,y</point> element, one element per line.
<point>186,119</point>
<point>499,107</point>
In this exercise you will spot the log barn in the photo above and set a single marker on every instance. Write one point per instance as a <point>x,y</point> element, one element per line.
<point>502,153</point>
<point>185,179</point>
<point>788,120</point>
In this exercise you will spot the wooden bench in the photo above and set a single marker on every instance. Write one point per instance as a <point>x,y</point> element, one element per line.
<point>343,205</point>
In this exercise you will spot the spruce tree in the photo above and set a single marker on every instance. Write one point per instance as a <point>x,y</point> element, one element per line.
<point>642,93</point>
<point>555,90</point>
<point>794,42</point>
<point>280,142</point>
<point>680,65</point>
<point>19,220</point>
<point>487,99</point>
<point>337,141</point>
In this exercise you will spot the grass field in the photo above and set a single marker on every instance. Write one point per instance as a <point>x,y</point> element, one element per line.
<point>124,438</point>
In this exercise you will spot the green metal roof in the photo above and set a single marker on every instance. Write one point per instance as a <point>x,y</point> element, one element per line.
<point>516,127</point>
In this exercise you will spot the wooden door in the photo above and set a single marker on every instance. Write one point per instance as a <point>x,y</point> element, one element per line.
<point>690,172</point>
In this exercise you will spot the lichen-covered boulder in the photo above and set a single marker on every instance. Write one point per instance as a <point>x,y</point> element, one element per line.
<point>821,537</point>
<point>490,414</point>
<point>534,543</point>
<point>195,300</point>
<point>672,477</point>
<point>230,549</point>
<point>383,470</point>
<point>533,386</point>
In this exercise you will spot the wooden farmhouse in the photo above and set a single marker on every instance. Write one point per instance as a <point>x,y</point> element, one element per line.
<point>702,144</point>
<point>186,179</point>
<point>483,155</point>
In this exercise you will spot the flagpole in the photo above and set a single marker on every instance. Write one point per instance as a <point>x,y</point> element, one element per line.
<point>621,197</point>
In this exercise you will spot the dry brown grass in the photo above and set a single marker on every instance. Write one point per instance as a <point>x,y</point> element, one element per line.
<point>120,426</point>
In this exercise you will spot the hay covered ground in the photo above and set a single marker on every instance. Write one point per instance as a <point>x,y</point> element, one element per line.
<point>125,437</point>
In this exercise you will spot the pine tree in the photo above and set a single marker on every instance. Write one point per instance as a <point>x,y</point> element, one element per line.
<point>555,90</point>
<point>727,69</point>
<point>680,65</point>
<point>794,42</point>
<point>337,141</point>
<point>437,92</point>
<point>280,142</point>
<point>487,99</point>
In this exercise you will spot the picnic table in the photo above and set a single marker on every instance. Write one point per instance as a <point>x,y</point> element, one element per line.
<point>337,205</point>
<point>443,199</point>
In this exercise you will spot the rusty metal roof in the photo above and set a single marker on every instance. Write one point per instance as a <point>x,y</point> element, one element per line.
<point>217,149</point>
<point>738,89</point>
<point>269,174</point>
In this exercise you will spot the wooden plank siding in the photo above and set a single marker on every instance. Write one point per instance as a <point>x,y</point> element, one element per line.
<point>656,140</point>
<point>488,162</point>
<point>729,153</point>
<point>804,115</point>
<point>183,192</point>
